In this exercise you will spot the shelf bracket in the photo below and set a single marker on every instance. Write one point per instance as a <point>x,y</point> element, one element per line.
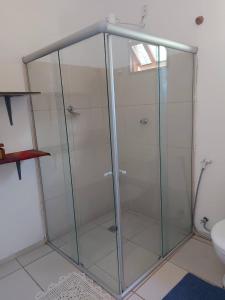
<point>18,166</point>
<point>9,108</point>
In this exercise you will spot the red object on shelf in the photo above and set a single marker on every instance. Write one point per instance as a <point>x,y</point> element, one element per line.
<point>17,157</point>
<point>22,155</point>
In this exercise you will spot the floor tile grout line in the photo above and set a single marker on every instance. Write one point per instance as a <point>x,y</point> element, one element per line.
<point>201,277</point>
<point>104,271</point>
<point>109,253</point>
<point>169,259</point>
<point>161,265</point>
<point>149,276</point>
<point>179,247</point>
<point>176,265</point>
<point>22,265</point>
<point>33,279</point>
<point>139,295</point>
<point>96,263</point>
<point>60,239</point>
<point>88,230</point>
<point>135,291</point>
<point>127,239</point>
<point>3,277</point>
<point>202,240</point>
<point>145,248</point>
<point>131,294</point>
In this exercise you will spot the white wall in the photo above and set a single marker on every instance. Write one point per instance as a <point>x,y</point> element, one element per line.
<point>210,111</point>
<point>28,25</point>
<point>20,223</point>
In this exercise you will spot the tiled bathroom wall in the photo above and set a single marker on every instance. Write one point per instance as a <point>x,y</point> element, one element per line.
<point>51,137</point>
<point>86,91</point>
<point>176,136</point>
<point>137,99</point>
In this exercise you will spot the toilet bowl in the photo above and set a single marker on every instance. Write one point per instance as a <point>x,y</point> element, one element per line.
<point>218,239</point>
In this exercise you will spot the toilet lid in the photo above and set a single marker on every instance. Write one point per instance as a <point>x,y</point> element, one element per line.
<point>218,234</point>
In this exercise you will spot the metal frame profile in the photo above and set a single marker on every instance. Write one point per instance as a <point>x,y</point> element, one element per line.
<point>115,157</point>
<point>106,27</point>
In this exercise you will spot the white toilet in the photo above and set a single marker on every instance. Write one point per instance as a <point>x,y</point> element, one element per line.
<point>218,239</point>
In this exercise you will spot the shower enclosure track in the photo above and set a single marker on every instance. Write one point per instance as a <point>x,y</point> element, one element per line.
<point>105,27</point>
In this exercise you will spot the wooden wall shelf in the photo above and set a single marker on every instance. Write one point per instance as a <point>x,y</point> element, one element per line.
<point>8,96</point>
<point>17,157</point>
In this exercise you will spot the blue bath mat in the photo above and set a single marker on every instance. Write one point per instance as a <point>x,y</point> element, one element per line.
<point>194,288</point>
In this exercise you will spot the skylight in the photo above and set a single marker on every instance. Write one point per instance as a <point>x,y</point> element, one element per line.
<point>154,51</point>
<point>144,57</point>
<point>141,54</point>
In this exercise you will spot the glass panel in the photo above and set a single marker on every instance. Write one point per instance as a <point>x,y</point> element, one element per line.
<point>176,146</point>
<point>137,109</point>
<point>51,133</point>
<point>85,91</point>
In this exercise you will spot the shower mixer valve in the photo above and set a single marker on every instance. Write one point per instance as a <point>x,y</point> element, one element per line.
<point>144,121</point>
<point>71,110</point>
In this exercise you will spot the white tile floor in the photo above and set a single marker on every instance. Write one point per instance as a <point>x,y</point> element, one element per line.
<point>195,256</point>
<point>23,277</point>
<point>97,246</point>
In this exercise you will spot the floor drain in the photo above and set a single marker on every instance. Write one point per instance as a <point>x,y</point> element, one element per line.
<point>112,228</point>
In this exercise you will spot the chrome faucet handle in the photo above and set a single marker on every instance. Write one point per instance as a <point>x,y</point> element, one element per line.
<point>71,110</point>
<point>144,121</point>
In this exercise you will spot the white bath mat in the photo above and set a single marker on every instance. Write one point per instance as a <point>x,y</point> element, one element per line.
<point>75,286</point>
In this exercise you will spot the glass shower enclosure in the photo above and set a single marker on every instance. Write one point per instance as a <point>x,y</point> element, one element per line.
<point>115,112</point>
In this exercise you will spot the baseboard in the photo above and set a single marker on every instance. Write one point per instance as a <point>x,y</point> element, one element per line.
<point>23,251</point>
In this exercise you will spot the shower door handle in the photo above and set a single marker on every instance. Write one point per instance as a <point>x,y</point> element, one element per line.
<point>109,173</point>
<point>123,172</point>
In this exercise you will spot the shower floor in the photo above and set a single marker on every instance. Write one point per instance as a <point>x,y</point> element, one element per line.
<point>97,246</point>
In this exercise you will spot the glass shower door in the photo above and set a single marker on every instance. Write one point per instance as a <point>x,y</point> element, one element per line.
<point>176,100</point>
<point>50,125</point>
<point>137,113</point>
<point>85,92</point>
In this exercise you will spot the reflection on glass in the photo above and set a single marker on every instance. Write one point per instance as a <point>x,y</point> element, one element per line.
<point>52,137</point>
<point>141,54</point>
<point>85,91</point>
<point>144,57</point>
<point>137,109</point>
<point>176,146</point>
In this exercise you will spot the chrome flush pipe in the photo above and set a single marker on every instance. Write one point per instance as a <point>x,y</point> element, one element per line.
<point>204,220</point>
